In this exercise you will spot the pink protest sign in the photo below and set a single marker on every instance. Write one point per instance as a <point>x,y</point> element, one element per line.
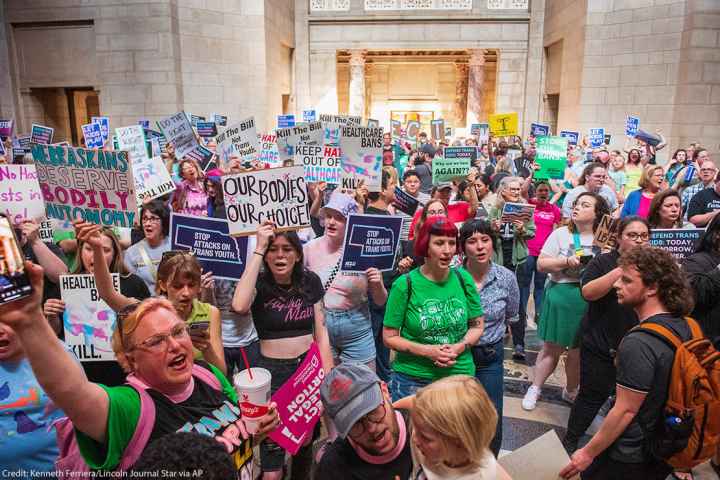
<point>298,403</point>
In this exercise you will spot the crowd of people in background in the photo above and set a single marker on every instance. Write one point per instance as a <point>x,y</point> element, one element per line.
<point>414,357</point>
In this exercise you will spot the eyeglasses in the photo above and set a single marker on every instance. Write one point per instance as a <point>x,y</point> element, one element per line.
<point>159,343</point>
<point>175,253</point>
<point>637,236</point>
<point>376,416</point>
<point>152,219</point>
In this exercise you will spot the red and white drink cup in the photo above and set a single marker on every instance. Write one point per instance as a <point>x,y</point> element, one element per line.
<point>253,396</point>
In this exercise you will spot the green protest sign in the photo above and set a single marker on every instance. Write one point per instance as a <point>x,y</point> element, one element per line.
<point>454,165</point>
<point>551,155</point>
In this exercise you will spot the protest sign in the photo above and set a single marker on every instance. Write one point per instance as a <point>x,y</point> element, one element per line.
<point>20,194</point>
<point>203,156</point>
<point>104,123</point>
<point>144,123</point>
<point>396,129</point>
<point>361,157</point>
<point>2,148</point>
<point>46,231</point>
<point>132,140</point>
<point>220,120</point>
<point>93,135</point>
<point>96,185</point>
<point>18,152</point>
<point>448,132</point>
<point>503,124</point>
<point>454,164</point>
<point>238,139</point>
<point>177,129</point>
<point>194,119</point>
<point>6,128</point>
<point>289,138</point>
<point>541,459</point>
<point>212,245</point>
<point>309,116</point>
<point>596,137</point>
<point>341,119</point>
<point>89,322</point>
<point>605,235</point>
<point>207,129</point>
<point>539,130</point>
<point>437,129</point>
<point>152,179</point>
<point>405,202</point>
<point>322,164</point>
<point>370,241</point>
<point>680,242</point>
<point>24,143</point>
<point>41,134</point>
<point>298,403</point>
<point>269,156</point>
<point>551,155</point>
<point>284,121</point>
<point>412,130</point>
<point>517,211</point>
<point>632,124</point>
<point>276,194</point>
<point>572,137</point>
<point>372,123</point>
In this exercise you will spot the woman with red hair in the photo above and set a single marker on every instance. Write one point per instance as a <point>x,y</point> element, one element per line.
<point>433,315</point>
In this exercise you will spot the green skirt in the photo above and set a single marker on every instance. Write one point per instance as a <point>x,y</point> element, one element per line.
<point>561,313</point>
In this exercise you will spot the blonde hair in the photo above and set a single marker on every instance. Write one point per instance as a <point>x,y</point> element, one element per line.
<point>129,324</point>
<point>647,174</point>
<point>459,410</point>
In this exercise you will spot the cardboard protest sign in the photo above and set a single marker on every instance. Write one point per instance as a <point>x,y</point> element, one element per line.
<point>289,138</point>
<point>132,140</point>
<point>437,129</point>
<point>605,235</point>
<point>503,124</point>
<point>220,120</point>
<point>680,242</point>
<point>93,135</point>
<point>540,459</point>
<point>96,185</point>
<point>6,128</point>
<point>89,322</point>
<point>104,123</point>
<point>309,116</point>
<point>276,194</point>
<point>318,166</point>
<point>238,139</point>
<point>405,202</point>
<point>269,156</point>
<point>361,150</point>
<point>551,155</point>
<point>539,130</point>
<point>152,179</point>
<point>596,137</point>
<point>572,137</point>
<point>370,241</point>
<point>41,134</point>
<point>207,129</point>
<point>209,240</point>
<point>298,403</point>
<point>177,129</point>
<point>517,211</point>
<point>632,124</point>
<point>20,195</point>
<point>284,121</point>
<point>454,164</point>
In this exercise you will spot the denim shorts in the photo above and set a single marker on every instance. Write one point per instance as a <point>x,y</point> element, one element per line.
<point>402,385</point>
<point>351,335</point>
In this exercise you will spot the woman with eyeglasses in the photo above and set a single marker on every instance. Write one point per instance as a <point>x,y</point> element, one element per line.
<point>143,257</point>
<point>602,328</point>
<point>180,280</point>
<point>638,202</point>
<point>167,390</point>
<point>286,304</point>
<point>132,286</point>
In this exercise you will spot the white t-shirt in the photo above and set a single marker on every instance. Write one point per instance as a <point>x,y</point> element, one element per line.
<point>488,471</point>
<point>560,243</point>
<point>138,264</point>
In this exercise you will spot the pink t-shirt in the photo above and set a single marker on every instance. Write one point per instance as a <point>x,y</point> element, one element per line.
<point>346,291</point>
<point>644,208</point>
<point>546,217</point>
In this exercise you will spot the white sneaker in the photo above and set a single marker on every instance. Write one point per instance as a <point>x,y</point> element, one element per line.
<point>530,398</point>
<point>569,396</point>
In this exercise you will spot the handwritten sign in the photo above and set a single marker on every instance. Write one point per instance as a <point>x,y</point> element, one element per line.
<point>551,155</point>
<point>361,157</point>
<point>152,179</point>
<point>405,202</point>
<point>322,164</point>
<point>269,156</point>
<point>132,140</point>
<point>437,129</point>
<point>597,137</point>
<point>632,124</point>
<point>503,124</point>
<point>539,130</point>
<point>370,241</point>
<point>396,129</point>
<point>454,164</point>
<point>209,240</point>
<point>680,242</point>
<point>572,137</point>
<point>238,139</point>
<point>605,236</point>
<point>96,185</point>
<point>276,194</point>
<point>89,322</point>
<point>177,129</point>
<point>41,134</point>
<point>291,137</point>
<point>298,403</point>
<point>20,195</point>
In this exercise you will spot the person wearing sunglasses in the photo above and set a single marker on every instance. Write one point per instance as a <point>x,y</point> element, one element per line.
<point>179,279</point>
<point>153,345</point>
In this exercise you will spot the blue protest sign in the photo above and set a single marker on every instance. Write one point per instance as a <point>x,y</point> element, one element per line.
<point>220,120</point>
<point>680,242</point>
<point>213,247</point>
<point>539,130</point>
<point>405,202</point>
<point>207,129</point>
<point>309,116</point>
<point>194,119</point>
<point>370,241</point>
<point>24,143</point>
<point>144,123</point>
<point>597,137</point>
<point>93,135</point>
<point>285,121</point>
<point>41,134</point>
<point>631,126</point>
<point>571,136</point>
<point>104,123</point>
<point>204,157</point>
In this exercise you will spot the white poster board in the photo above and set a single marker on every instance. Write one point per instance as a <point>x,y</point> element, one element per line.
<point>20,194</point>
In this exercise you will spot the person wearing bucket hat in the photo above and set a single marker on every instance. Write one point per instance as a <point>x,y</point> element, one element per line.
<point>345,303</point>
<point>374,438</point>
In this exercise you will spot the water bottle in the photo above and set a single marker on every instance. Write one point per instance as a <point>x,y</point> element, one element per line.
<point>689,173</point>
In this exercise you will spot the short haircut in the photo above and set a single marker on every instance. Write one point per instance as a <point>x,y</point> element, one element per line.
<point>471,227</point>
<point>410,173</point>
<point>438,226</point>
<point>629,220</point>
<point>159,209</point>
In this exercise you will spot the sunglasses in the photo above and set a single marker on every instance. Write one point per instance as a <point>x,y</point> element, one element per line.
<point>121,316</point>
<point>175,253</point>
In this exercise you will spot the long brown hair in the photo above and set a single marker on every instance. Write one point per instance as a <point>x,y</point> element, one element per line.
<point>656,204</point>
<point>116,266</point>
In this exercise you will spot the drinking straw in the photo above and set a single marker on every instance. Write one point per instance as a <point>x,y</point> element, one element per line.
<point>247,364</point>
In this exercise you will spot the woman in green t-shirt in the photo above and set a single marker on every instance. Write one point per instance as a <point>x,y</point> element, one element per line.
<point>433,314</point>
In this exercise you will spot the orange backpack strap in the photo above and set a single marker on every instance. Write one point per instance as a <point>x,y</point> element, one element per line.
<point>694,328</point>
<point>661,332</point>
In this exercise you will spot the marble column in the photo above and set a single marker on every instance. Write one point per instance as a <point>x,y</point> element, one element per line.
<point>461,92</point>
<point>476,76</point>
<point>356,94</point>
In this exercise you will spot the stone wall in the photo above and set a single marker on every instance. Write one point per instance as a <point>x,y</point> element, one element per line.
<point>7,103</point>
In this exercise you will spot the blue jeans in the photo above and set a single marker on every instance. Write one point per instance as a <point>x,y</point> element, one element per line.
<point>234,360</point>
<point>489,371</point>
<point>402,385</point>
<point>382,359</point>
<point>525,273</point>
<point>351,335</point>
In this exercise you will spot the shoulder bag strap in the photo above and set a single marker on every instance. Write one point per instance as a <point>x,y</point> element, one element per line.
<point>333,274</point>
<point>148,261</point>
<point>143,429</point>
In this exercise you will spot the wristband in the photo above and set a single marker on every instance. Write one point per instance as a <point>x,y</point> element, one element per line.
<point>258,253</point>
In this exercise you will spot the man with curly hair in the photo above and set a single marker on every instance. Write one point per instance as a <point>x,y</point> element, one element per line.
<point>653,285</point>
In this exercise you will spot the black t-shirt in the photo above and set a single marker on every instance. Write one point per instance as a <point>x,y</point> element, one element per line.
<point>644,363</point>
<point>606,321</point>
<point>279,312</point>
<point>705,201</point>
<point>342,461</point>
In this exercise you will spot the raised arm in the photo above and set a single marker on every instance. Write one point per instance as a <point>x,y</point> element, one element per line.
<point>245,288</point>
<point>51,263</point>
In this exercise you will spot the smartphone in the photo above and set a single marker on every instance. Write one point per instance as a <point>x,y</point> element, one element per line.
<point>199,326</point>
<point>14,280</point>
